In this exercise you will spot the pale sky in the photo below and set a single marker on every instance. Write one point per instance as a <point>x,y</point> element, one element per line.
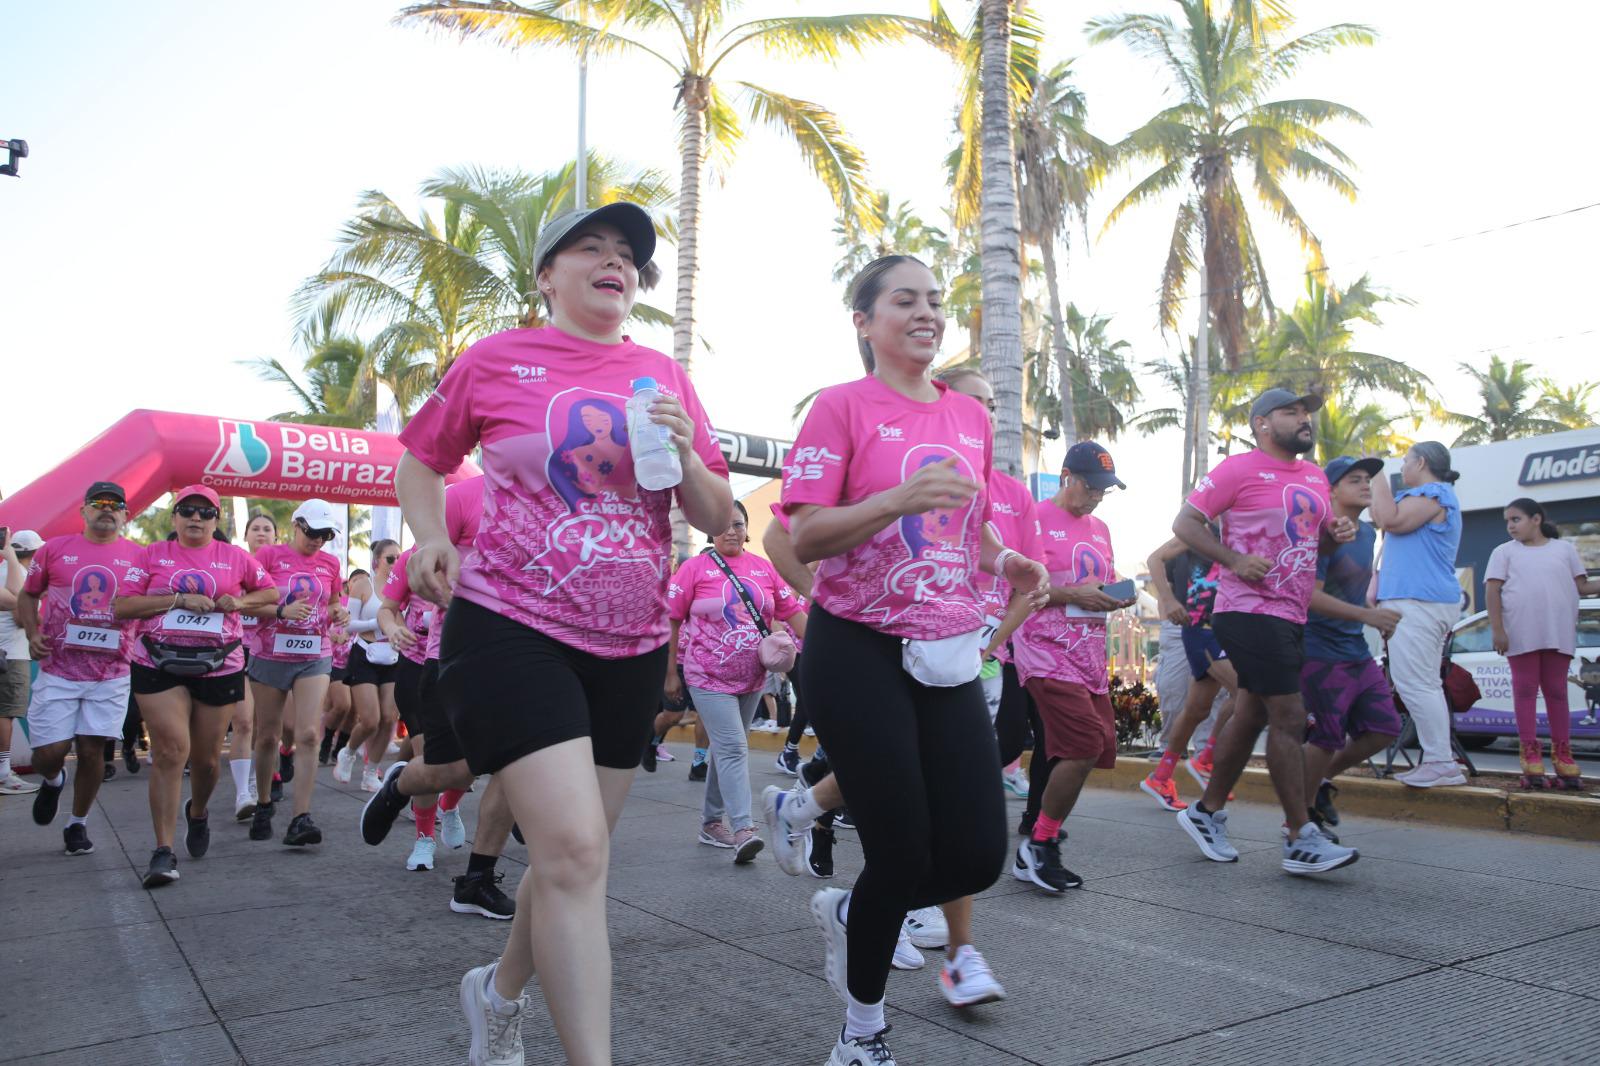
<point>192,163</point>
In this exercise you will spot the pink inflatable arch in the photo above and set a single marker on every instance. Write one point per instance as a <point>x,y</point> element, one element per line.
<point>150,453</point>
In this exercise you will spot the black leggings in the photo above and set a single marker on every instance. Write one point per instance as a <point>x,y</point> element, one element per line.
<point>920,772</point>
<point>1011,723</point>
<point>1041,765</point>
<point>801,717</point>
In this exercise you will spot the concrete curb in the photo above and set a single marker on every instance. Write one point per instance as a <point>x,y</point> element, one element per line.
<point>1572,815</point>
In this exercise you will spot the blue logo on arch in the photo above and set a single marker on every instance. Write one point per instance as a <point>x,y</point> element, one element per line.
<point>240,453</point>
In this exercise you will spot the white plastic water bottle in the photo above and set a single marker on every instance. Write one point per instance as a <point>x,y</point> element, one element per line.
<point>655,458</point>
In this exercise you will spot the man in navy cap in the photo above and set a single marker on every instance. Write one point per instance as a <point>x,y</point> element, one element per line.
<point>1345,692</point>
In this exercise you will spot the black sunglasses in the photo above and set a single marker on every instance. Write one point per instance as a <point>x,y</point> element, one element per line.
<point>315,534</point>
<point>189,510</point>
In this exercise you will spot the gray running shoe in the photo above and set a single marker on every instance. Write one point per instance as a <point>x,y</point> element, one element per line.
<point>1313,853</point>
<point>1210,831</point>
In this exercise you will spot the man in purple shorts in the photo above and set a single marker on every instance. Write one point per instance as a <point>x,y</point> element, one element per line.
<point>1345,692</point>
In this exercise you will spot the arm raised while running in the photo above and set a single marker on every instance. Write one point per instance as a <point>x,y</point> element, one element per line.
<point>435,564</point>
<point>1190,527</point>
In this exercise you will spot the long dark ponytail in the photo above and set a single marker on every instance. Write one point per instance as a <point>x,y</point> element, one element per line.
<point>1532,509</point>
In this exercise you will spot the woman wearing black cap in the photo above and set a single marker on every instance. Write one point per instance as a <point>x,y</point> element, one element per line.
<point>554,644</point>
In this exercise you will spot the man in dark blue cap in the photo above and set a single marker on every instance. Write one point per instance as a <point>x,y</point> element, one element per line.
<point>1345,692</point>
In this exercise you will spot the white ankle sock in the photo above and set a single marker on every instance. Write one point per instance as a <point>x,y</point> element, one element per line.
<point>240,769</point>
<point>802,808</point>
<point>5,764</point>
<point>862,1019</point>
<point>59,781</point>
<point>75,820</point>
<point>498,1003</point>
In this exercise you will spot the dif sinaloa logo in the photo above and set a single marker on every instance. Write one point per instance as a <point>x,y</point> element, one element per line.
<point>240,453</point>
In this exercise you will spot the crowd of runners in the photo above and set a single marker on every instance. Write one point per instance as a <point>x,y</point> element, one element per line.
<point>933,620</point>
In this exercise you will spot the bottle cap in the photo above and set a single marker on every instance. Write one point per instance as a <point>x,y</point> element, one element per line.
<point>639,384</point>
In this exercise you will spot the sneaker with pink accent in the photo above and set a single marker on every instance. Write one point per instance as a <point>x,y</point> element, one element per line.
<point>747,844</point>
<point>717,835</point>
<point>1164,793</point>
<point>663,755</point>
<point>1433,775</point>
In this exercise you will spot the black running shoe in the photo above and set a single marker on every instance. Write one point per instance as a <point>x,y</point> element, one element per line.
<point>286,766</point>
<point>302,831</point>
<point>1327,813</point>
<point>384,806</point>
<point>76,839</point>
<point>819,851</point>
<point>516,834</point>
<point>648,760</point>
<point>163,868</point>
<point>130,758</point>
<point>46,801</point>
<point>198,837</point>
<point>277,789</point>
<point>261,822</point>
<point>842,819</point>
<point>480,894</point>
<point>1315,815</point>
<point>326,750</point>
<point>698,771</point>
<point>788,761</point>
<point>110,771</point>
<point>1039,862</point>
<point>1025,826</point>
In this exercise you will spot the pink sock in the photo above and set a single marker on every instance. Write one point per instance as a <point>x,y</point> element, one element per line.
<point>1046,828</point>
<point>1014,764</point>
<point>1211,744</point>
<point>450,799</point>
<point>426,818</point>
<point>1163,772</point>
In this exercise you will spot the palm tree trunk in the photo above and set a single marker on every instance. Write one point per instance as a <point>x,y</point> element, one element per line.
<point>694,94</point>
<point>1001,241</point>
<point>1058,337</point>
<point>1202,393</point>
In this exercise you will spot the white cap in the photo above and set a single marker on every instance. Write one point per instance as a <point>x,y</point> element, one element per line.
<point>318,514</point>
<point>26,540</point>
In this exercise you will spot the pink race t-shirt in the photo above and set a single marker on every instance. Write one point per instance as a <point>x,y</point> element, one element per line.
<point>1062,642</point>
<point>416,612</point>
<point>212,570</point>
<point>719,641</point>
<point>569,544</point>
<point>1276,509</point>
<point>340,650</point>
<point>77,581</point>
<point>1016,526</point>
<point>314,578</point>
<point>918,576</point>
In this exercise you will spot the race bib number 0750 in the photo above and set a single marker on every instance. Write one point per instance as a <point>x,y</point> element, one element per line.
<point>93,638</point>
<point>296,644</point>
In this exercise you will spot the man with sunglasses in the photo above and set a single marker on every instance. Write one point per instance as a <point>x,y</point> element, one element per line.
<point>293,654</point>
<point>81,694</point>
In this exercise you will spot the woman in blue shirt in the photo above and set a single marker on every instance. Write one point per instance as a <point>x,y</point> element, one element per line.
<point>1417,579</point>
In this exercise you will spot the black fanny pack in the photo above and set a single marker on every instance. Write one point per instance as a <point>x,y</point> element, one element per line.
<point>188,662</point>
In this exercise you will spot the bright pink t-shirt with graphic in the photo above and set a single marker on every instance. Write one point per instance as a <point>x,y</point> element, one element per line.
<point>1276,509</point>
<point>1015,524</point>
<point>719,641</point>
<point>77,581</point>
<point>416,612</point>
<point>917,577</point>
<point>212,570</point>
<point>314,579</point>
<point>1062,642</point>
<point>340,651</point>
<point>569,544</point>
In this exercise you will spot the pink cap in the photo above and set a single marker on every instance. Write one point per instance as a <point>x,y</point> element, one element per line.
<point>197,490</point>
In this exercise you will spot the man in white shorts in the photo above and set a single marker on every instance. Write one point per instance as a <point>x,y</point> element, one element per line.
<point>82,690</point>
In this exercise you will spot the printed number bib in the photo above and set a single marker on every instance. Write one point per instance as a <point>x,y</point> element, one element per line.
<point>297,644</point>
<point>181,621</point>
<point>94,638</point>
<point>249,621</point>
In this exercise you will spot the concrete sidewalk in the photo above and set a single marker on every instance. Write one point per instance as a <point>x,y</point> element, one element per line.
<point>1439,946</point>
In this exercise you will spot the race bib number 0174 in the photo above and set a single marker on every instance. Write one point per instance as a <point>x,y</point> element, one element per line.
<point>296,644</point>
<point>92,638</point>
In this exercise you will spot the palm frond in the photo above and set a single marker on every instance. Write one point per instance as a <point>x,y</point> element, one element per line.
<point>823,144</point>
<point>516,26</point>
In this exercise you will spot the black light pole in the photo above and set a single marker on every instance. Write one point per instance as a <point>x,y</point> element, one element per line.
<point>17,149</point>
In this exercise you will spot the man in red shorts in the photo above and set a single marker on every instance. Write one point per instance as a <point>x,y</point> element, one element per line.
<point>1061,657</point>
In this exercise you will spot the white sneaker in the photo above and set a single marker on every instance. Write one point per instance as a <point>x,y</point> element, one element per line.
<point>825,904</point>
<point>966,980</point>
<point>862,1051</point>
<point>370,780</point>
<point>496,1037</point>
<point>421,857</point>
<point>1016,782</point>
<point>16,786</point>
<point>244,805</point>
<point>812,732</point>
<point>451,829</point>
<point>906,955</point>
<point>393,748</point>
<point>1432,775</point>
<point>926,927</point>
<point>344,766</point>
<point>788,843</point>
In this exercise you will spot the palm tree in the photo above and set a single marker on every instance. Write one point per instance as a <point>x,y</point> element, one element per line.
<point>889,229</point>
<point>1224,60</point>
<point>342,375</point>
<point>1572,406</point>
<point>1345,427</point>
<point>1310,349</point>
<point>1101,383</point>
<point>1510,405</point>
<point>1057,160</point>
<point>692,39</point>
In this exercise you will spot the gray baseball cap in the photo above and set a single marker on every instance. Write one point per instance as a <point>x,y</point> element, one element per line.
<point>1274,399</point>
<point>633,220</point>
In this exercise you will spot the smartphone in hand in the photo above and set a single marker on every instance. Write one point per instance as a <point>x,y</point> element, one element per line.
<point>1121,591</point>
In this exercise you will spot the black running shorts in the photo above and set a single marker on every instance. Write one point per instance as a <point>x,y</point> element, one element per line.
<point>510,690</point>
<point>1266,652</point>
<point>218,691</point>
<point>439,744</point>
<point>360,671</point>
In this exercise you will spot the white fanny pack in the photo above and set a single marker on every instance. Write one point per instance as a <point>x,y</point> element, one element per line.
<point>381,653</point>
<point>946,662</point>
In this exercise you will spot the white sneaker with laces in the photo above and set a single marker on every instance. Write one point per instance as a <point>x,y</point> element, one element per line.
<point>862,1051</point>
<point>16,786</point>
<point>1016,782</point>
<point>906,955</point>
<point>966,980</point>
<point>1432,775</point>
<point>344,766</point>
<point>788,843</point>
<point>496,1037</point>
<point>370,780</point>
<point>825,906</point>
<point>926,927</point>
<point>421,857</point>
<point>451,829</point>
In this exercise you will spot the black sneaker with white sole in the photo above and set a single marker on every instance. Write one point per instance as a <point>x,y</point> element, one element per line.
<point>480,894</point>
<point>197,833</point>
<point>76,839</point>
<point>1039,863</point>
<point>1317,820</point>
<point>261,822</point>
<point>163,868</point>
<point>383,807</point>
<point>302,831</point>
<point>819,851</point>
<point>842,819</point>
<point>47,800</point>
<point>1327,813</point>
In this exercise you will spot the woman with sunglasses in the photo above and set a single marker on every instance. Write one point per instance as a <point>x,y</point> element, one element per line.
<point>188,664</point>
<point>294,654</point>
<point>371,677</point>
<point>554,645</point>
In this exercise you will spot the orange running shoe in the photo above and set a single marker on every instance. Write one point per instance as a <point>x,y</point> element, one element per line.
<point>1164,793</point>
